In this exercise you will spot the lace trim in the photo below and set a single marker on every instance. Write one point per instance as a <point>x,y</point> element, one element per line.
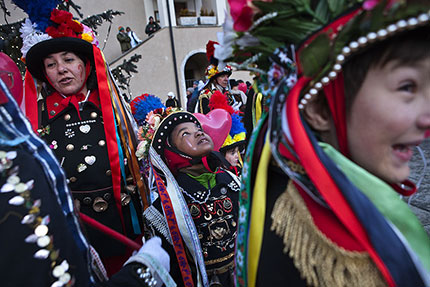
<point>155,219</point>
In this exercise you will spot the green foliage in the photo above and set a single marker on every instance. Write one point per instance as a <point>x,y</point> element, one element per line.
<point>286,22</point>
<point>315,55</point>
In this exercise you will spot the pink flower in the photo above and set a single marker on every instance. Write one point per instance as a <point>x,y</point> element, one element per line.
<point>242,12</point>
<point>153,120</point>
<point>370,4</point>
<point>140,134</point>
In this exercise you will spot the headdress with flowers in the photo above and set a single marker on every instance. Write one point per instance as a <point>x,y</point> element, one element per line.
<point>148,111</point>
<point>146,131</point>
<point>214,69</point>
<point>316,38</point>
<point>45,22</point>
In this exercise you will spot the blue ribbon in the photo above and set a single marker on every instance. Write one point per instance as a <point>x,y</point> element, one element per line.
<point>133,213</point>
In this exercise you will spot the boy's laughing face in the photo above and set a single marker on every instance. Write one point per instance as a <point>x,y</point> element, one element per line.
<point>389,117</point>
<point>191,140</point>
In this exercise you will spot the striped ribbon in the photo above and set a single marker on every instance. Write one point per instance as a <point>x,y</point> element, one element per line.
<point>178,245</point>
<point>184,220</point>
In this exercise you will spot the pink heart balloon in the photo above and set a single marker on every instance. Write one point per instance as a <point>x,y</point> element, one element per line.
<point>217,124</point>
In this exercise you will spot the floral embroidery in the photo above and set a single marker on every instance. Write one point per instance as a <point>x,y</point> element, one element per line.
<point>53,145</point>
<point>44,131</point>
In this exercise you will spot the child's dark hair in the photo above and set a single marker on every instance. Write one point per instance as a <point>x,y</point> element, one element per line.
<point>407,48</point>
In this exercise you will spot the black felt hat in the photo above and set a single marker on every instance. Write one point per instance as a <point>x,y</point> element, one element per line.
<point>35,56</point>
<point>166,127</point>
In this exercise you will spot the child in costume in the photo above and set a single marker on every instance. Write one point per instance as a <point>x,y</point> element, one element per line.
<point>78,116</point>
<point>345,102</point>
<point>196,211</point>
<point>234,144</point>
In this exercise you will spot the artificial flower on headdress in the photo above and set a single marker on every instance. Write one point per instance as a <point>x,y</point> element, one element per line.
<point>148,111</point>
<point>46,22</point>
<point>143,104</point>
<point>214,68</point>
<point>147,130</point>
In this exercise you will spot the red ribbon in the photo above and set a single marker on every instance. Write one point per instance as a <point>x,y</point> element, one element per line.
<point>110,232</point>
<point>30,101</point>
<point>74,100</point>
<point>110,128</point>
<point>335,94</point>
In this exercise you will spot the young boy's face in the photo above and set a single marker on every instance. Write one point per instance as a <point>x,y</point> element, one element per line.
<point>232,156</point>
<point>389,116</point>
<point>191,140</point>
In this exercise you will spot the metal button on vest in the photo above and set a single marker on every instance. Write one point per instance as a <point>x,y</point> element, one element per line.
<point>108,172</point>
<point>52,113</point>
<point>87,200</point>
<point>77,204</point>
<point>55,104</point>
<point>100,204</point>
<point>131,188</point>
<point>107,196</point>
<point>73,179</point>
<point>125,199</point>
<point>70,147</point>
<point>102,142</point>
<point>93,115</point>
<point>67,117</point>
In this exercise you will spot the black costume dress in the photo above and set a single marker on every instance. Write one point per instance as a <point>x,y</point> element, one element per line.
<point>215,213</point>
<point>79,143</point>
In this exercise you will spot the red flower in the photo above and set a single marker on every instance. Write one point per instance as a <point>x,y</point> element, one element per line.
<point>210,49</point>
<point>67,27</point>
<point>75,26</point>
<point>60,16</point>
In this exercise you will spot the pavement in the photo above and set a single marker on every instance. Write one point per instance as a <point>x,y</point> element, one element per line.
<point>420,201</point>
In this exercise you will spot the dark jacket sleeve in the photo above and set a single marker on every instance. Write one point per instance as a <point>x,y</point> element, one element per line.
<point>204,105</point>
<point>147,29</point>
<point>123,37</point>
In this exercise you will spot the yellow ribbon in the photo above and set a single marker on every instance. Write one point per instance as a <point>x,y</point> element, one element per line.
<point>258,211</point>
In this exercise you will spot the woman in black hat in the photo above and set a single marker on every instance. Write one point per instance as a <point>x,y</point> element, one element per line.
<point>41,232</point>
<point>78,116</point>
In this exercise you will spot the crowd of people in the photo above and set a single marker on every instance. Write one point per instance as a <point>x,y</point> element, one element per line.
<point>292,180</point>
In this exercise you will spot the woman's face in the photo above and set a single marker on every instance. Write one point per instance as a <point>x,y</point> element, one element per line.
<point>232,156</point>
<point>389,117</point>
<point>191,140</point>
<point>66,72</point>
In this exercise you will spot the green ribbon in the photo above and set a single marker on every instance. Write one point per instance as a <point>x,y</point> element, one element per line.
<point>387,201</point>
